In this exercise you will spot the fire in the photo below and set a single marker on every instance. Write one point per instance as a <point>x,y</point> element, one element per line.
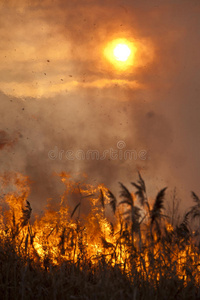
<point>68,234</point>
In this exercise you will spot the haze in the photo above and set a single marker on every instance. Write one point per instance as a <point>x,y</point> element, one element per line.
<point>57,89</point>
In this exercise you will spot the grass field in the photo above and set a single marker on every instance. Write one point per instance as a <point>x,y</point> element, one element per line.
<point>128,248</point>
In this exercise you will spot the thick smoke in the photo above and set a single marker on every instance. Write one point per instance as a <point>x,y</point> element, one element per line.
<point>59,92</point>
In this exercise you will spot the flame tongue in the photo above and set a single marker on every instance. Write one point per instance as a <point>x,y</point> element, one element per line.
<point>68,234</point>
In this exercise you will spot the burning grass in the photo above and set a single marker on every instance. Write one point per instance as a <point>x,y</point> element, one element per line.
<point>66,254</point>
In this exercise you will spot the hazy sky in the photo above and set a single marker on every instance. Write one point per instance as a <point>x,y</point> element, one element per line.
<point>57,89</point>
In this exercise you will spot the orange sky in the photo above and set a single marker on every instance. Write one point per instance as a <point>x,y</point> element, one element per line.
<point>57,88</point>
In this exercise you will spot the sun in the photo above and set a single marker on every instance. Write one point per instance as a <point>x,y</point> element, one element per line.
<point>122,52</point>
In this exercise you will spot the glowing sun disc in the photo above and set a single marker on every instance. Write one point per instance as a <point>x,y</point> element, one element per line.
<point>122,52</point>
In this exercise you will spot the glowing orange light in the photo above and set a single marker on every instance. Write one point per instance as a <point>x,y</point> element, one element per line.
<point>121,53</point>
